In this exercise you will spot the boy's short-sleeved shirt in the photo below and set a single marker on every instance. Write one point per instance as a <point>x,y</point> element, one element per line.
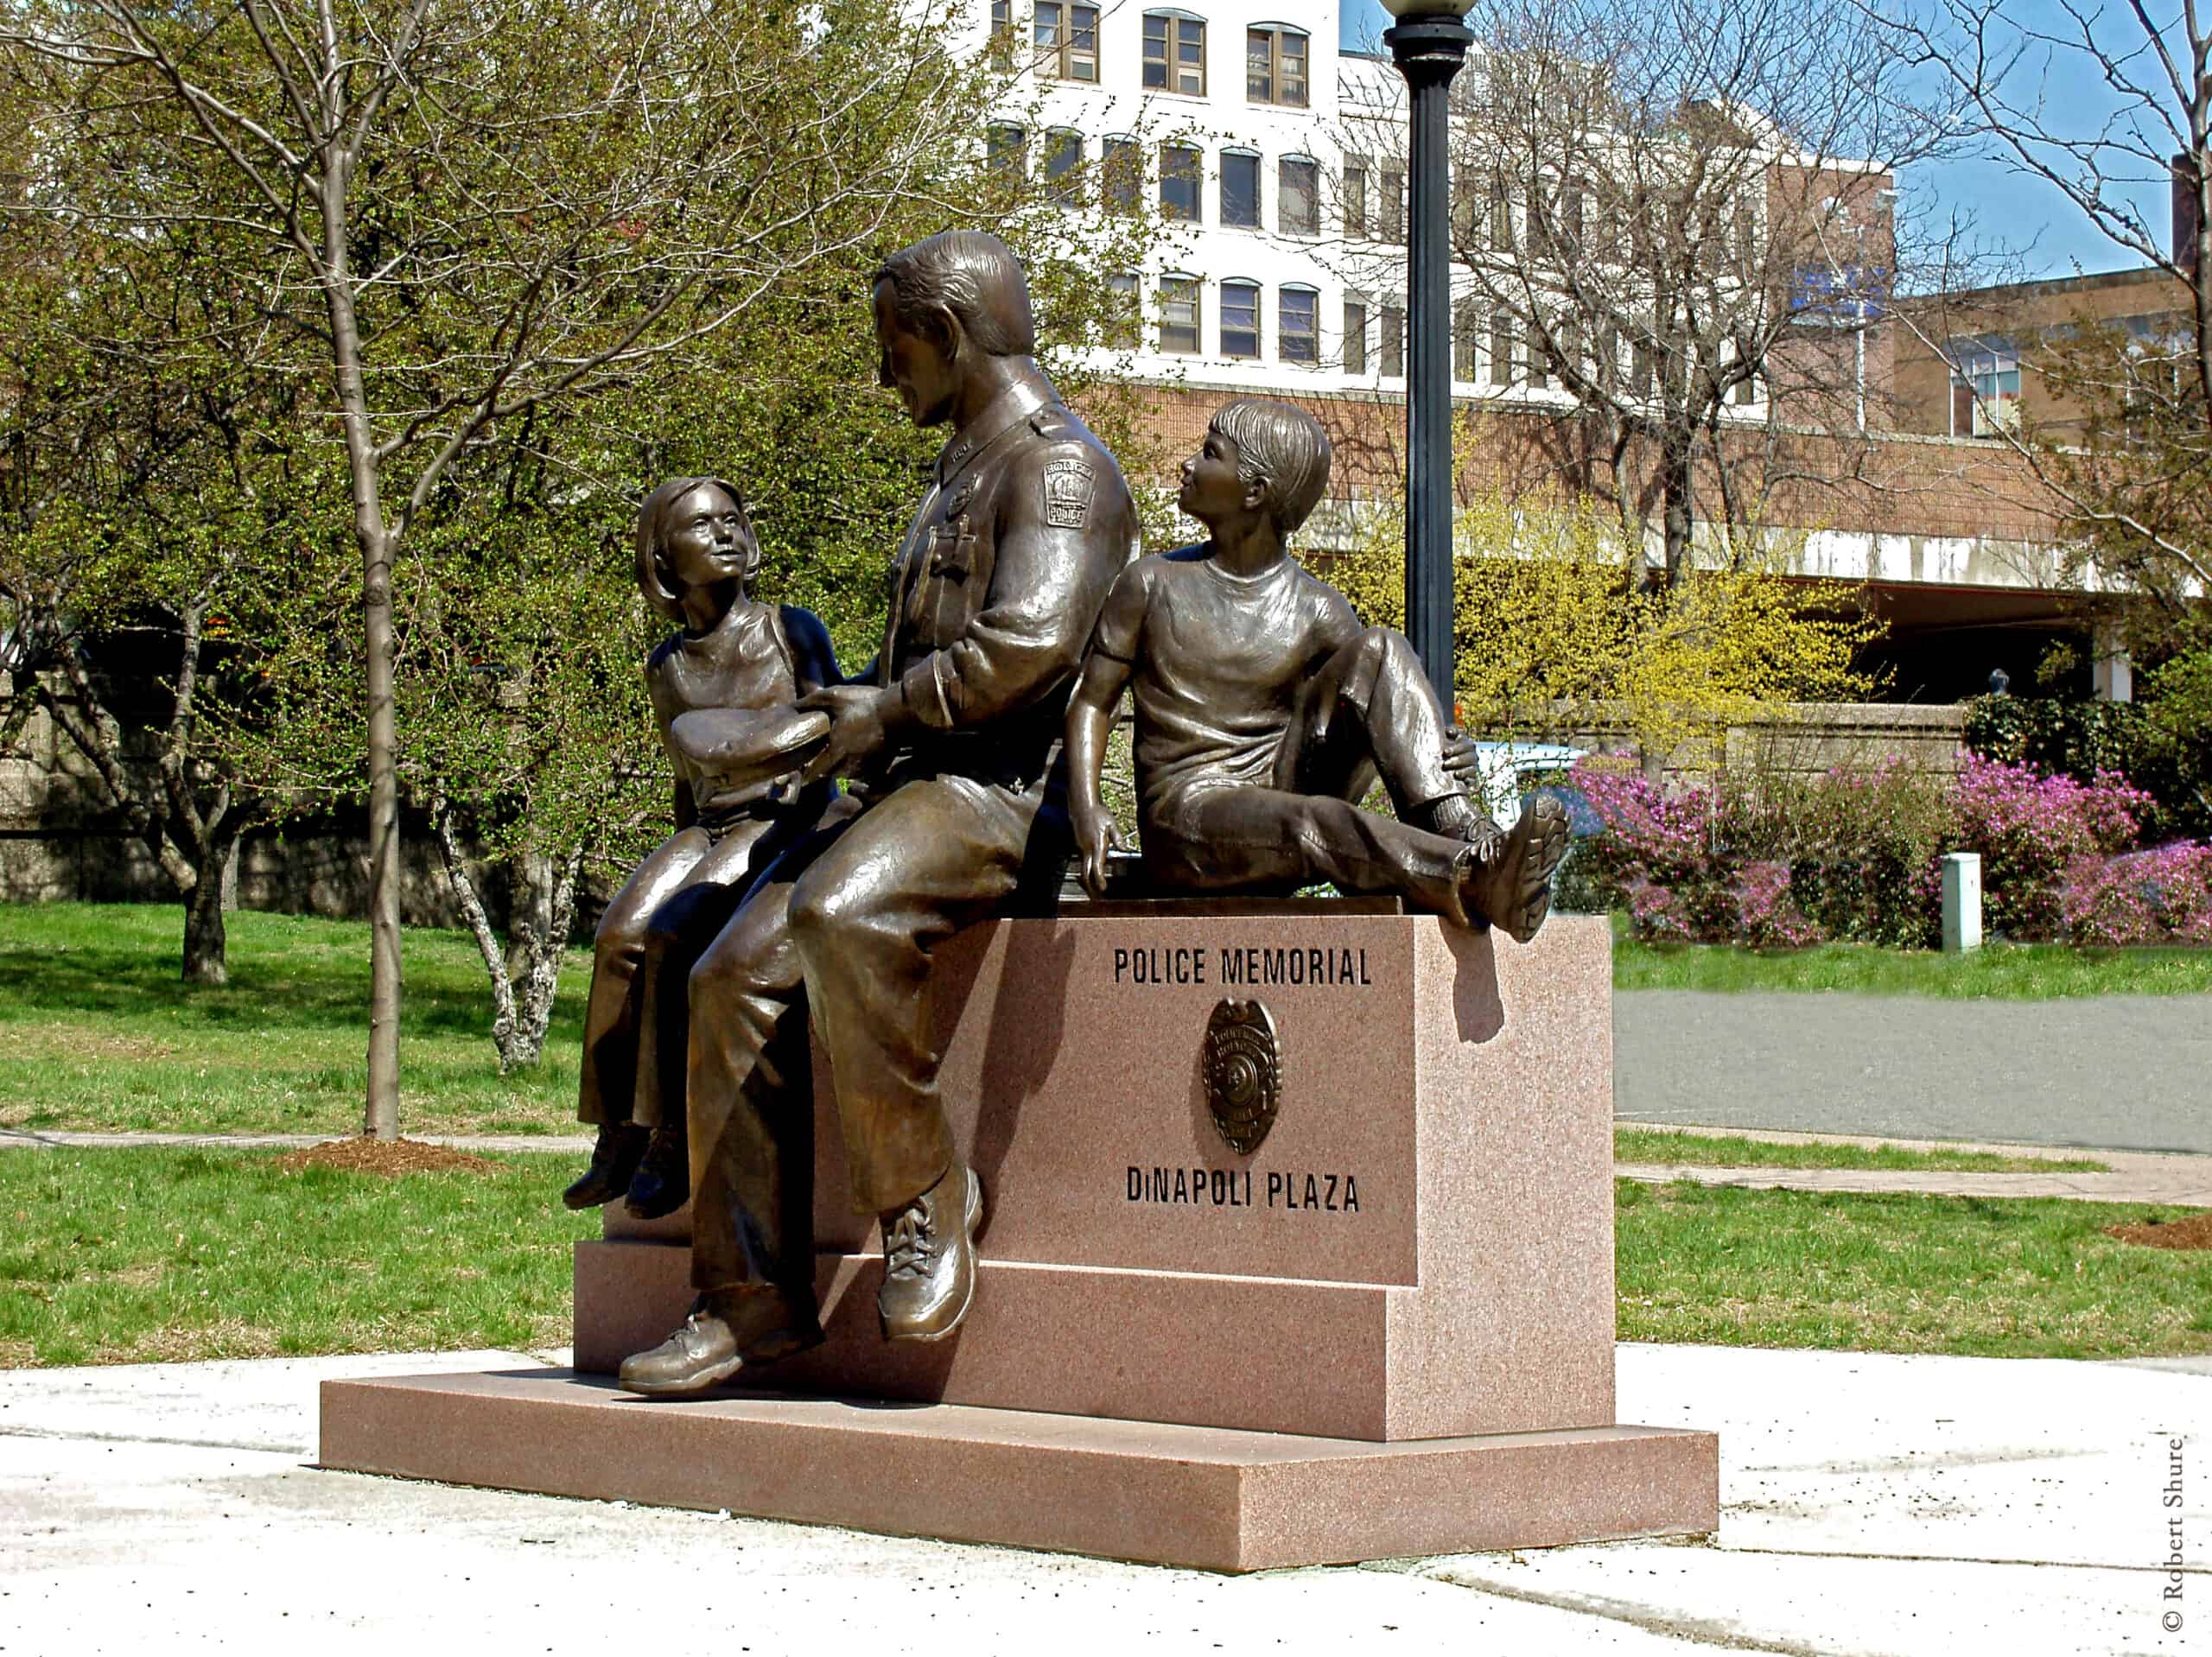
<point>1217,660</point>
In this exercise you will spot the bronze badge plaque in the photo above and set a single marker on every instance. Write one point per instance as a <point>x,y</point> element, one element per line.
<point>1244,1072</point>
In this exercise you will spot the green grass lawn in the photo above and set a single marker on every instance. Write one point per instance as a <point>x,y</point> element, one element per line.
<point>2017,972</point>
<point>97,1030</point>
<point>151,1255</point>
<point>1732,1151</point>
<point>140,1255</point>
<point>2014,1279</point>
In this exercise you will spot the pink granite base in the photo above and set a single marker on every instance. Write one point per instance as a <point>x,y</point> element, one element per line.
<point>1194,1496</point>
<point>1458,1085</point>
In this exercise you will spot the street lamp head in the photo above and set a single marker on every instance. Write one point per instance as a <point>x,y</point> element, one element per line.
<point>1407,11</point>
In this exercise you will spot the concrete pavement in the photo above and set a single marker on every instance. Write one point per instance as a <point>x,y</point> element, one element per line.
<point>31,1138</point>
<point>2130,1072</point>
<point>2132,1177</point>
<point>1871,1505</point>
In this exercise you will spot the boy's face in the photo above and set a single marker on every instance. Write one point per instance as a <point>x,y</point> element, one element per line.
<point>709,541</point>
<point>1212,490</point>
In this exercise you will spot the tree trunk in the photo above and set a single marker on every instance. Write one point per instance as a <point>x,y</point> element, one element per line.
<point>204,938</point>
<point>532,913</point>
<point>380,1111</point>
<point>521,996</point>
<point>214,893</point>
<point>545,943</point>
<point>1675,463</point>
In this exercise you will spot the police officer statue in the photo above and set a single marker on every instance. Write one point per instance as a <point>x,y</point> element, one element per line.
<point>959,813</point>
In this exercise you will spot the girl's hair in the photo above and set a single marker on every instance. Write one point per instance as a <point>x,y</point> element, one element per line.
<point>655,579</point>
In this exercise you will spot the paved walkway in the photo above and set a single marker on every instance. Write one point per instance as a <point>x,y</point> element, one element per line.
<point>2126,1071</point>
<point>2135,1177</point>
<point>64,1140</point>
<point>1871,1505</point>
<point>2185,1181</point>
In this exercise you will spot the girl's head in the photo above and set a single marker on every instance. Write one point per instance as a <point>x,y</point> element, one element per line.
<point>693,533</point>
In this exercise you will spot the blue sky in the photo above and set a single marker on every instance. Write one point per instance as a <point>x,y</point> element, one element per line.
<point>2050,237</point>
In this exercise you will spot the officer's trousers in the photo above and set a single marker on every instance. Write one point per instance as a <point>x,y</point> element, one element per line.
<point>844,926</point>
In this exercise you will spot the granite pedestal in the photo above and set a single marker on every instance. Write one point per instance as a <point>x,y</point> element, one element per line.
<point>1388,1328</point>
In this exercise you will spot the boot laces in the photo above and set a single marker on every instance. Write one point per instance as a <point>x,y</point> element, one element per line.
<point>910,1247</point>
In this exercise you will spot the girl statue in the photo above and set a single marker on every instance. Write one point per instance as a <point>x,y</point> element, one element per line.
<point>722,690</point>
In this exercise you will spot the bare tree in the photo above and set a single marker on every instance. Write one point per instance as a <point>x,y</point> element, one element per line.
<point>2132,464</point>
<point>468,210</point>
<point>1674,224</point>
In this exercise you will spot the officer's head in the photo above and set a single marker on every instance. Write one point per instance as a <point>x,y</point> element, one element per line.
<point>940,306</point>
<point>694,535</point>
<point>1280,458</point>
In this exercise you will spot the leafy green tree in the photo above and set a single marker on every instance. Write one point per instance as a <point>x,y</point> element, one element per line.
<point>474,217</point>
<point>148,486</point>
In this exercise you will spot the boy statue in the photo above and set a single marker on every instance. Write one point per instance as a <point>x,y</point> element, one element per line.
<point>1265,709</point>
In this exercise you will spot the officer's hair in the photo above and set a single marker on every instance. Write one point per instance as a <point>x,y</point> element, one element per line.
<point>1282,448</point>
<point>974,275</point>
<point>656,578</point>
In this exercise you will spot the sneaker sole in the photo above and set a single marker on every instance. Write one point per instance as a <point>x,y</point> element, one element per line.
<point>1545,854</point>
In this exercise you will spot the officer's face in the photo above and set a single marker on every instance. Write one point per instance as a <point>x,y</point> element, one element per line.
<point>1211,489</point>
<point>916,365</point>
<point>707,539</point>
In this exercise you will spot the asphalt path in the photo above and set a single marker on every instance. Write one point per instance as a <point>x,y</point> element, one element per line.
<point>2120,1072</point>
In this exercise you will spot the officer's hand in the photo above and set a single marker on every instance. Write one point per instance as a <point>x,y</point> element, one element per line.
<point>1096,834</point>
<point>857,730</point>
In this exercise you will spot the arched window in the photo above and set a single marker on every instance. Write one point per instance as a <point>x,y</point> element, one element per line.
<point>1008,150</point>
<point>1467,342</point>
<point>1276,62</point>
<point>1175,53</point>
<point>1298,325</point>
<point>1297,196</point>
<point>1121,175</point>
<point>1240,189</point>
<point>1180,314</point>
<point>1240,318</point>
<point>1063,166</point>
<point>1126,309</point>
<point>1181,171</point>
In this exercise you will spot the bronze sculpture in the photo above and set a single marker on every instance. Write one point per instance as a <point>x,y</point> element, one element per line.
<point>736,801</point>
<point>1265,709</point>
<point>952,743</point>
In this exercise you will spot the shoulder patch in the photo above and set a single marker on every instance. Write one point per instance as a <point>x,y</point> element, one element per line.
<point>1067,493</point>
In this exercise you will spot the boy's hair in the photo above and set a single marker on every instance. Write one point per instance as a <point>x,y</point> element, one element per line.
<point>655,579</point>
<point>973,275</point>
<point>1285,447</point>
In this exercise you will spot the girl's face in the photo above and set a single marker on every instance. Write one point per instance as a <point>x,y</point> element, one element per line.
<point>709,542</point>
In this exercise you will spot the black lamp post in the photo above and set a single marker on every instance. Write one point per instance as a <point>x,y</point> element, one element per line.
<point>1429,44</point>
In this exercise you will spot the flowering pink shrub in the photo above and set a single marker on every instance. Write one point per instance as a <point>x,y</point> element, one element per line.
<point>2033,831</point>
<point>2159,896</point>
<point>1774,862</point>
<point>1777,861</point>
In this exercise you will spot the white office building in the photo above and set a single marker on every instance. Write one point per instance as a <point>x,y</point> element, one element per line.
<point>1281,274</point>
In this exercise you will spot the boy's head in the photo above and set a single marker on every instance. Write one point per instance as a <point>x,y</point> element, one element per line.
<point>1280,451</point>
<point>693,532</point>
